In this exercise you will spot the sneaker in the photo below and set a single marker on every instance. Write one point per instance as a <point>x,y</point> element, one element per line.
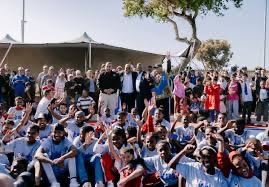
<point>99,184</point>
<point>87,184</point>
<point>110,184</point>
<point>74,183</point>
<point>55,184</point>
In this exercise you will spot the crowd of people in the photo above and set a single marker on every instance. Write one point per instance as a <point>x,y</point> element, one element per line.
<point>133,126</point>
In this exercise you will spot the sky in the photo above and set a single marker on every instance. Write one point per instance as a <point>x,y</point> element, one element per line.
<point>103,20</point>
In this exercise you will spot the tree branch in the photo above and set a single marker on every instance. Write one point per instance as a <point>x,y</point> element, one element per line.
<point>178,38</point>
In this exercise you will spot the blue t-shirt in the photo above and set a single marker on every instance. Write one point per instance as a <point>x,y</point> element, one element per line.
<point>21,148</point>
<point>55,151</point>
<point>18,83</point>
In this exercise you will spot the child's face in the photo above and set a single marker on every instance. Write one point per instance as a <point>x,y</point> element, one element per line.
<point>162,132</point>
<point>84,93</point>
<point>151,143</point>
<point>158,115</point>
<point>127,157</point>
<point>63,109</point>
<point>118,141</point>
<point>164,151</point>
<point>42,123</point>
<point>7,127</point>
<point>19,102</point>
<point>241,166</point>
<point>208,159</point>
<point>121,119</point>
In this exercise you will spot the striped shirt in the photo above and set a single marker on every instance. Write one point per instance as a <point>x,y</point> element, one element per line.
<point>84,103</point>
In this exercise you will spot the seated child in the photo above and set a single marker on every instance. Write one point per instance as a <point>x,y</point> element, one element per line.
<point>130,170</point>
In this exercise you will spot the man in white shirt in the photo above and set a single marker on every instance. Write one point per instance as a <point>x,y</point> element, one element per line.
<point>42,106</point>
<point>246,98</point>
<point>128,87</point>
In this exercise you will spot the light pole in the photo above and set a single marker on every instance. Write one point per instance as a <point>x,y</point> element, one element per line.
<point>23,21</point>
<point>265,34</point>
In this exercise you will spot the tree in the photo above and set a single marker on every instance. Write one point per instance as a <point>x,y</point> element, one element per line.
<point>214,54</point>
<point>171,10</point>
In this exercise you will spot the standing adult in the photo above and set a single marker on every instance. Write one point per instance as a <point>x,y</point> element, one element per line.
<point>108,83</point>
<point>179,92</point>
<point>18,82</point>
<point>162,91</point>
<point>233,98</point>
<point>69,90</point>
<point>144,85</point>
<point>4,88</point>
<point>79,84</point>
<point>246,98</point>
<point>59,86</point>
<point>90,84</point>
<point>212,102</point>
<point>40,76</point>
<point>127,91</point>
<point>49,75</point>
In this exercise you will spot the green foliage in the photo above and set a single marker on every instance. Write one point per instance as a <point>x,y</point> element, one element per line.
<point>161,9</point>
<point>214,54</point>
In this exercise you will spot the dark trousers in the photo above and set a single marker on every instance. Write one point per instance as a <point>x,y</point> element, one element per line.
<point>262,110</point>
<point>247,108</point>
<point>128,99</point>
<point>165,104</point>
<point>140,106</point>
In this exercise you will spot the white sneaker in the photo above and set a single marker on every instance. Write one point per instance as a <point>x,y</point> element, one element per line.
<point>55,184</point>
<point>87,184</point>
<point>74,183</point>
<point>99,184</point>
<point>110,184</point>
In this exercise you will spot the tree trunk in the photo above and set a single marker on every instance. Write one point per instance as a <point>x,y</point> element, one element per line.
<point>192,54</point>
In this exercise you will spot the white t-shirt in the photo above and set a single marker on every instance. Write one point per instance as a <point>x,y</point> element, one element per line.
<point>42,107</point>
<point>195,175</point>
<point>184,134</point>
<point>18,114</point>
<point>236,139</point>
<point>237,181</point>
<point>145,152</point>
<point>73,130</point>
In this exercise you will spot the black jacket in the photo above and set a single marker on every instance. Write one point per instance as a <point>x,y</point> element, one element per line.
<point>146,85</point>
<point>108,80</point>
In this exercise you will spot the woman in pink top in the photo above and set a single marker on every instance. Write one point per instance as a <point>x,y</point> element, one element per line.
<point>179,93</point>
<point>233,98</point>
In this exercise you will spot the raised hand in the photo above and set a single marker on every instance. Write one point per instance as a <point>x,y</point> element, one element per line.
<point>7,137</point>
<point>72,111</point>
<point>88,138</point>
<point>189,148</point>
<point>28,108</point>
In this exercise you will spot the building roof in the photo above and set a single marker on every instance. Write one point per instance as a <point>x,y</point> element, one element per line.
<point>84,41</point>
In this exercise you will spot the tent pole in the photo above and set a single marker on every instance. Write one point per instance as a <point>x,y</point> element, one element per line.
<point>5,56</point>
<point>90,54</point>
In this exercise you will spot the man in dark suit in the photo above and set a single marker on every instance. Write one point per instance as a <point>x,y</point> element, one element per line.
<point>144,85</point>
<point>128,90</point>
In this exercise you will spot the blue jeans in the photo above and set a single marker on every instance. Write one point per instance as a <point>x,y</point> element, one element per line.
<point>213,114</point>
<point>93,165</point>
